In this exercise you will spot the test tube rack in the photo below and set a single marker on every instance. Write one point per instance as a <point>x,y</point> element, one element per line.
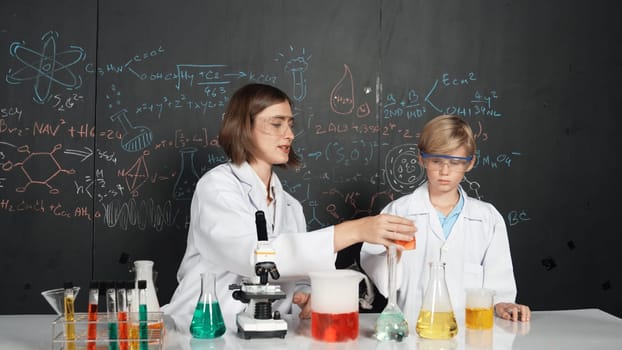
<point>102,341</point>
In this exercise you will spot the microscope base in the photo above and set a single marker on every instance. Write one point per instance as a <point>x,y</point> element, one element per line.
<point>249,327</point>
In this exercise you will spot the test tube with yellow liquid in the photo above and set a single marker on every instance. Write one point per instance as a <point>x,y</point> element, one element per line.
<point>70,327</point>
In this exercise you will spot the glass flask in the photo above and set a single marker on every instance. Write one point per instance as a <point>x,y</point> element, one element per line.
<point>391,325</point>
<point>436,318</point>
<point>188,177</point>
<point>207,321</point>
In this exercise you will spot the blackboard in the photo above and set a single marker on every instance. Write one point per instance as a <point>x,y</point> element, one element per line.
<point>109,112</point>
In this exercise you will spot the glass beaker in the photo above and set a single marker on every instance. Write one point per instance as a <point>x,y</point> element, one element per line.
<point>207,321</point>
<point>391,325</point>
<point>479,311</point>
<point>335,305</point>
<point>436,318</point>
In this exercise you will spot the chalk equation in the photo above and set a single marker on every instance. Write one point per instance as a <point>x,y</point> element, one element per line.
<point>428,102</point>
<point>140,157</point>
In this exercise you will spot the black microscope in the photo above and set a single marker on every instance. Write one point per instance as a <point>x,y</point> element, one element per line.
<point>258,320</point>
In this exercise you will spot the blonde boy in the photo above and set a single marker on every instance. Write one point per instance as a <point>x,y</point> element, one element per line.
<point>467,234</point>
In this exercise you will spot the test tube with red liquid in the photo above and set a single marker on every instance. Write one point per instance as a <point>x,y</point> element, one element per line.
<point>92,315</point>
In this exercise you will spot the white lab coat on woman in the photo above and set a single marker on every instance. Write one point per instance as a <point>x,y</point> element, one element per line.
<point>222,237</point>
<point>476,253</point>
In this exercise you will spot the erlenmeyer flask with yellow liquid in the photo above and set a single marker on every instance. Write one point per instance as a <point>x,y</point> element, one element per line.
<point>436,317</point>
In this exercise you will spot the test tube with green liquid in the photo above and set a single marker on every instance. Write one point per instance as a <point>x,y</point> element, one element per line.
<point>111,313</point>
<point>142,315</point>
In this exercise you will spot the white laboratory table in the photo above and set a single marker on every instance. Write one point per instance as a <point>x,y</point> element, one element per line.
<point>568,329</point>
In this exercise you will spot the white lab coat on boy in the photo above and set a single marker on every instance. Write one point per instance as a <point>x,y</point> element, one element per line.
<point>476,253</point>
<point>222,237</point>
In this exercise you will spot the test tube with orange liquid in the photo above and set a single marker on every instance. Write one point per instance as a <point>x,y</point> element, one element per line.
<point>122,315</point>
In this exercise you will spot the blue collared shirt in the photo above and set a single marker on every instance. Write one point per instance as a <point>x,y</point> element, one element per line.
<point>447,222</point>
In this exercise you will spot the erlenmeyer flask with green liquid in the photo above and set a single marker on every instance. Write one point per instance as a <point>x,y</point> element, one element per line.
<point>207,321</point>
<point>391,325</point>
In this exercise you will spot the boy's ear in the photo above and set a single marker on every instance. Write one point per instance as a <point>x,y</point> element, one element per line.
<point>471,164</point>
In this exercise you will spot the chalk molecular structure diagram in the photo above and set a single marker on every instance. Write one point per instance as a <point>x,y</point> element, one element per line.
<point>45,67</point>
<point>38,160</point>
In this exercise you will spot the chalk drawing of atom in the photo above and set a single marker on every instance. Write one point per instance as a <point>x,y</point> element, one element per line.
<point>47,67</point>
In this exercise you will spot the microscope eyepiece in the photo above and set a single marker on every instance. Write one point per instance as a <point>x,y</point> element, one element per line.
<point>274,273</point>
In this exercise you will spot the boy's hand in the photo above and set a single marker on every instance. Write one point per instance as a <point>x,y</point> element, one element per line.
<point>513,312</point>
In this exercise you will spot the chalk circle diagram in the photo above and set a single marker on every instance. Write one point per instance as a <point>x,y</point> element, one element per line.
<point>47,67</point>
<point>402,169</point>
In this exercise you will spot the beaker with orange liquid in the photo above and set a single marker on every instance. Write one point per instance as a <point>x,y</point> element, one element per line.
<point>479,313</point>
<point>335,305</point>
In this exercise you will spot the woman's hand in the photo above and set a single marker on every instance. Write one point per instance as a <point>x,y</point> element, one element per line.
<point>382,229</point>
<point>303,300</point>
<point>513,312</point>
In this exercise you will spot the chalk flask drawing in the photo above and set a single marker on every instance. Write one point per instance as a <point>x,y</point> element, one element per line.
<point>188,177</point>
<point>135,138</point>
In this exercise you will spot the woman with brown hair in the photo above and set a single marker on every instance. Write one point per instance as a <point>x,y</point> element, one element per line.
<point>257,134</point>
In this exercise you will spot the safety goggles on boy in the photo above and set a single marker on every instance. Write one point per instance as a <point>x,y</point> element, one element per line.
<point>436,162</point>
<point>276,125</point>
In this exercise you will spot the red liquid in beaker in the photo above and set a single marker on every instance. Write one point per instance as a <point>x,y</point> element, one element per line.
<point>335,327</point>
